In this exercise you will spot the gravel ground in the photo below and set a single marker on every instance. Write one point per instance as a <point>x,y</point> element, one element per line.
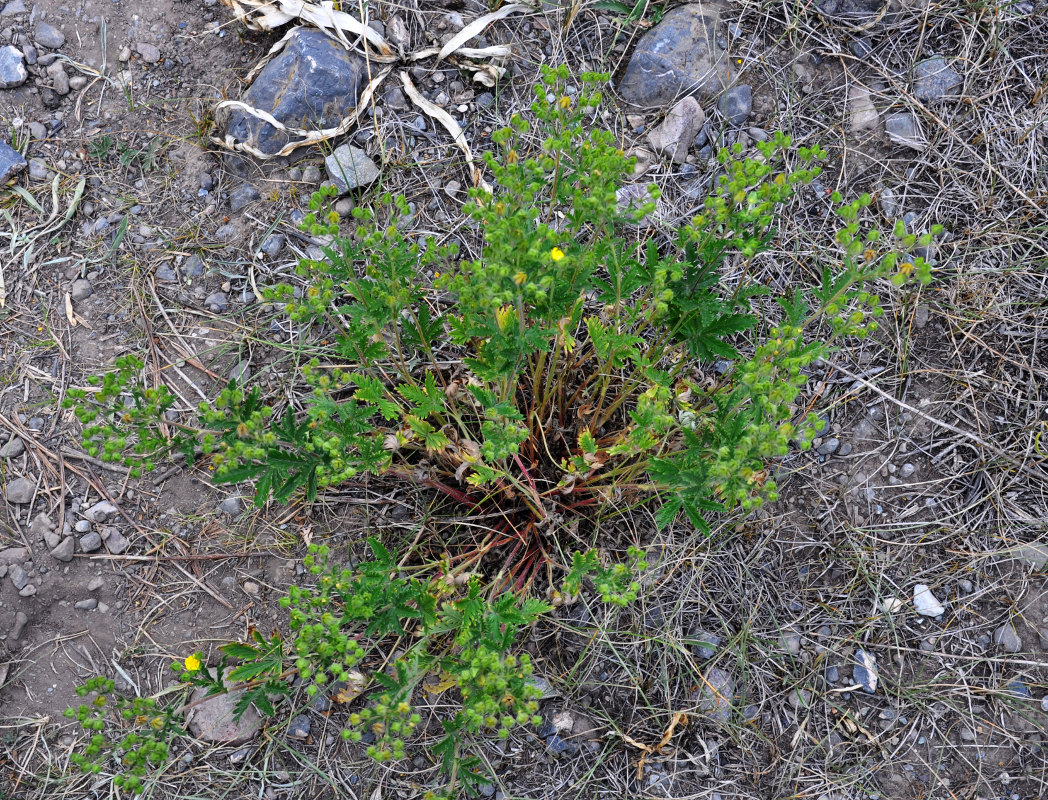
<point>881,631</point>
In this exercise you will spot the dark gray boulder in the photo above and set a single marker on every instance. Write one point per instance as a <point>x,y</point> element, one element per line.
<point>312,83</point>
<point>11,163</point>
<point>678,56</point>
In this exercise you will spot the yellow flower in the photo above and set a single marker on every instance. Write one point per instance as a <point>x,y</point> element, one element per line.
<point>520,278</point>
<point>192,663</point>
<point>556,254</point>
<point>504,318</point>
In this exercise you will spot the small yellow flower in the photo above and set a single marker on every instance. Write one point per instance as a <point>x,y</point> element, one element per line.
<point>520,278</point>
<point>192,663</point>
<point>504,318</point>
<point>564,102</point>
<point>556,254</point>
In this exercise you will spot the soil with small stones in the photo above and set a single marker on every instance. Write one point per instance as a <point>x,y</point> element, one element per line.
<point>733,675</point>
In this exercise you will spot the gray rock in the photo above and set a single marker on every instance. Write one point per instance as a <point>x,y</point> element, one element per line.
<point>299,727</point>
<point>242,196</point>
<point>21,620</point>
<point>273,244</point>
<point>1033,554</point>
<point>12,67</point>
<point>90,542</point>
<point>925,602</point>
<point>49,36</point>
<point>166,274</point>
<point>12,8</point>
<point>1008,638</point>
<point>791,642</point>
<point>149,53</point>
<point>675,134</point>
<point>20,491</point>
<point>13,448</point>
<point>344,207</point>
<point>41,525</point>
<point>705,644</point>
<point>211,718</point>
<point>226,233</point>
<point>231,506</point>
<point>349,167</point>
<point>312,83</point>
<point>217,302</point>
<point>716,694</point>
<point>241,371</point>
<point>832,674</point>
<point>907,470</point>
<point>736,104</point>
<point>891,203</point>
<point>82,526</point>
<point>680,55</point>
<point>18,576</point>
<point>864,671</point>
<point>862,114</point>
<point>11,554</point>
<point>396,99</point>
<point>81,289</point>
<point>64,551</point>
<point>101,511</point>
<point>1044,703</point>
<point>194,267</point>
<point>88,604</point>
<point>845,449</point>
<point>27,591</point>
<point>117,543</point>
<point>11,161</point>
<point>37,169</point>
<point>59,80</point>
<point>903,128</point>
<point>829,447</point>
<point>933,79</point>
<point>561,746</point>
<point>95,584</point>
<point>311,174</point>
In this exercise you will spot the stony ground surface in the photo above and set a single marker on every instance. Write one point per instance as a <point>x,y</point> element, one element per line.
<point>881,632</point>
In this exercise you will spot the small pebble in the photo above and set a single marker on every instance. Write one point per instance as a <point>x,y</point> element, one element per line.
<point>89,604</point>
<point>90,542</point>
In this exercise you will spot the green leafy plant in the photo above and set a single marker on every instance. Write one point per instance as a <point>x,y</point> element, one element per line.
<point>142,749</point>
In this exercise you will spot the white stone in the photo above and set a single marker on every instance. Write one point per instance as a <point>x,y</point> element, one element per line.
<point>926,603</point>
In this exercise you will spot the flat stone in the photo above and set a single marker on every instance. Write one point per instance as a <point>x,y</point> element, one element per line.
<point>166,274</point>
<point>18,576</point>
<point>675,134</point>
<point>10,554</point>
<point>95,583</point>
<point>21,620</point>
<point>211,718</point>
<point>829,447</point>
<point>934,79</point>
<point>926,603</point>
<point>312,83</point>
<point>12,8</point>
<point>864,671</point>
<point>59,80</point>
<point>117,543</point>
<point>27,591</point>
<point>64,551</point>
<point>273,244</point>
<point>299,727</point>
<point>11,161</point>
<point>1008,638</point>
<point>242,196</point>
<point>41,525</point>
<point>100,511</point>
<point>149,53</point>
<point>82,526</point>
<point>350,167</point>
<point>791,642</point>
<point>231,506</point>
<point>217,302</point>
<point>81,289</point>
<point>20,491</point>
<point>12,67</point>
<point>1032,554</point>
<point>716,694</point>
<point>678,56</point>
<point>13,448</point>
<point>903,128</point>
<point>194,267</point>
<point>88,604</point>
<point>736,104</point>
<point>49,36</point>
<point>90,542</point>
<point>862,114</point>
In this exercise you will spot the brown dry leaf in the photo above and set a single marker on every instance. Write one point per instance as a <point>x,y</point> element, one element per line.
<point>351,691</point>
<point>69,310</point>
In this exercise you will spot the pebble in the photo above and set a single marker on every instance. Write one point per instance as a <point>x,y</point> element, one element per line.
<point>64,551</point>
<point>226,233</point>
<point>845,449</point>
<point>12,67</point>
<point>242,196</point>
<point>12,449</point>
<point>81,289</point>
<point>344,206</point>
<point>675,134</point>
<point>82,525</point>
<point>149,53</point>
<point>350,167</point>
<point>95,583</point>
<point>28,591</point>
<point>218,302</point>
<point>904,129</point>
<point>311,174</point>
<point>194,267</point>
<point>59,80</point>
<point>231,506</point>
<point>561,746</point>
<point>832,674</point>
<point>117,543</point>
<point>21,620</point>
<point>273,244</point>
<point>18,576</point>
<point>12,8</point>
<point>241,371</point>
<point>864,672</point>
<point>166,274</point>
<point>41,525</point>
<point>49,36</point>
<point>1044,703</point>
<point>88,604</point>
<point>829,447</point>
<point>791,641</point>
<point>299,727</point>
<point>100,511</point>
<point>907,470</point>
<point>1007,637</point>
<point>11,161</point>
<point>90,542</point>
<point>736,104</point>
<point>705,644</point>
<point>37,169</point>
<point>716,694</point>
<point>925,602</point>
<point>20,491</point>
<point>934,79</point>
<point>862,114</point>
